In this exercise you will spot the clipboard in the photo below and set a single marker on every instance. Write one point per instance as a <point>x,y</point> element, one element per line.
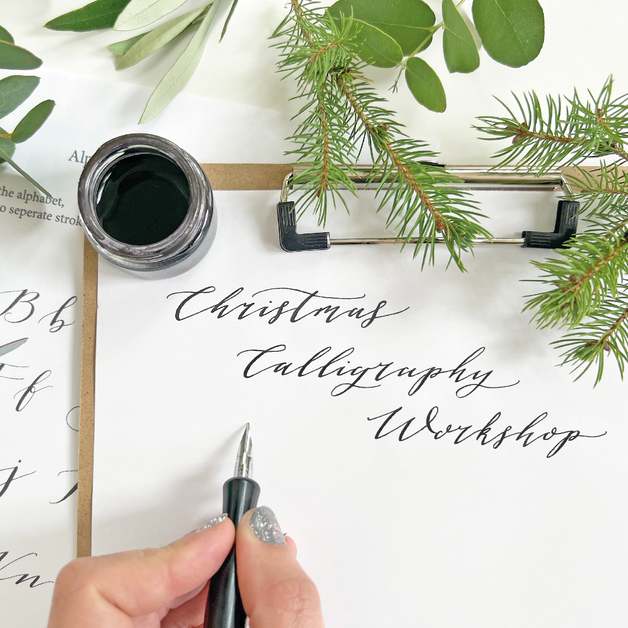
<point>223,177</point>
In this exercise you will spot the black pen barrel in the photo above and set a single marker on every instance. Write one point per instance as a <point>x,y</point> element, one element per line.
<point>224,606</point>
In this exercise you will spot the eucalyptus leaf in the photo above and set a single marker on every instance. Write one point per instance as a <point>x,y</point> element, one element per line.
<point>512,31</point>
<point>7,147</point>
<point>13,57</point>
<point>5,35</point>
<point>179,74</point>
<point>1,100</point>
<point>224,28</point>
<point>12,346</point>
<point>425,85</point>
<point>140,13</point>
<point>376,47</point>
<point>408,22</point>
<point>32,121</point>
<point>4,156</point>
<point>120,47</point>
<point>157,38</point>
<point>14,91</point>
<point>461,53</point>
<point>93,16</point>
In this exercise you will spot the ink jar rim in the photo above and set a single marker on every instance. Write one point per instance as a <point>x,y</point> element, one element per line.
<point>187,243</point>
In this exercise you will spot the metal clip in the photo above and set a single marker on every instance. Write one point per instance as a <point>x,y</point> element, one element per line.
<point>472,177</point>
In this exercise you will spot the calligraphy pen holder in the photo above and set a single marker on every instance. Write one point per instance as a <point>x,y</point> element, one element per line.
<point>471,177</point>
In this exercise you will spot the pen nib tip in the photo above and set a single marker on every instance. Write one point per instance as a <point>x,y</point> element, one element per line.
<point>244,460</point>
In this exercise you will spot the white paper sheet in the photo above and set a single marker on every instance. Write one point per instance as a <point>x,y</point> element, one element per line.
<point>41,247</point>
<point>516,520</point>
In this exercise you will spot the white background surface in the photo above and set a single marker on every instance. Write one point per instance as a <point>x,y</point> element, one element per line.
<point>584,44</point>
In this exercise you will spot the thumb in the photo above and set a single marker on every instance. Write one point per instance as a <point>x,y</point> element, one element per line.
<point>275,591</point>
<point>109,590</point>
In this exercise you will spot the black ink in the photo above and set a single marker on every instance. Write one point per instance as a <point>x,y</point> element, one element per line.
<point>71,491</point>
<point>11,477</point>
<point>483,436</point>
<point>30,391</point>
<point>144,198</point>
<point>22,577</point>
<point>67,418</point>
<point>4,365</point>
<point>57,322</point>
<point>367,377</point>
<point>304,307</point>
<point>24,298</point>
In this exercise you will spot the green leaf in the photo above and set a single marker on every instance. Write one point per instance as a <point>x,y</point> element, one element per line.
<point>93,16</point>
<point>120,47</point>
<point>12,346</point>
<point>140,13</point>
<point>224,28</point>
<point>13,57</point>
<point>183,68</point>
<point>14,91</point>
<point>7,147</point>
<point>4,156</point>
<point>32,121</point>
<point>157,38</point>
<point>425,85</point>
<point>5,35</point>
<point>376,48</point>
<point>408,22</point>
<point>512,31</point>
<point>461,53</point>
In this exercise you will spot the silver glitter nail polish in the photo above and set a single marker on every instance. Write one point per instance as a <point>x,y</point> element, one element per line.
<point>266,527</point>
<point>213,522</point>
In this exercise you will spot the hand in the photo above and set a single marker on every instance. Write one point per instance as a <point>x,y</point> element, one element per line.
<point>167,587</point>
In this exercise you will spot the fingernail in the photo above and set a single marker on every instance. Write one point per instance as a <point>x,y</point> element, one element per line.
<point>214,522</point>
<point>266,527</point>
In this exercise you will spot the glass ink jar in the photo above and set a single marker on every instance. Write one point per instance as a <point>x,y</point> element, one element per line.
<point>147,206</point>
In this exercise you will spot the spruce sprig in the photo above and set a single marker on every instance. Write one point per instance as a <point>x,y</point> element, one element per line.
<point>604,334</point>
<point>587,290</point>
<point>586,274</point>
<point>343,113</point>
<point>566,130</point>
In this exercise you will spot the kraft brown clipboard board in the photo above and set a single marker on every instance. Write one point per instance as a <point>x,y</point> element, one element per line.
<point>221,177</point>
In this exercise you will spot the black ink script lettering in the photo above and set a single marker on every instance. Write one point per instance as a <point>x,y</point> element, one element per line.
<point>20,578</point>
<point>8,475</point>
<point>27,394</point>
<point>57,321</point>
<point>7,373</point>
<point>296,306</point>
<point>488,434</point>
<point>21,307</point>
<point>71,491</point>
<point>327,362</point>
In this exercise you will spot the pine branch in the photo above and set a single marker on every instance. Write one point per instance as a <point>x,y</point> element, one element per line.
<point>343,112</point>
<point>588,271</point>
<point>602,191</point>
<point>565,130</point>
<point>605,334</point>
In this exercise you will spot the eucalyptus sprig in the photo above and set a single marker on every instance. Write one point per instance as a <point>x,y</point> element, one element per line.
<point>342,113</point>
<point>394,33</point>
<point>11,346</point>
<point>14,91</point>
<point>128,15</point>
<point>586,285</point>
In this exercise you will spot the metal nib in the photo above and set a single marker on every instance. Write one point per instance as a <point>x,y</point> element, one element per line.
<point>244,460</point>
